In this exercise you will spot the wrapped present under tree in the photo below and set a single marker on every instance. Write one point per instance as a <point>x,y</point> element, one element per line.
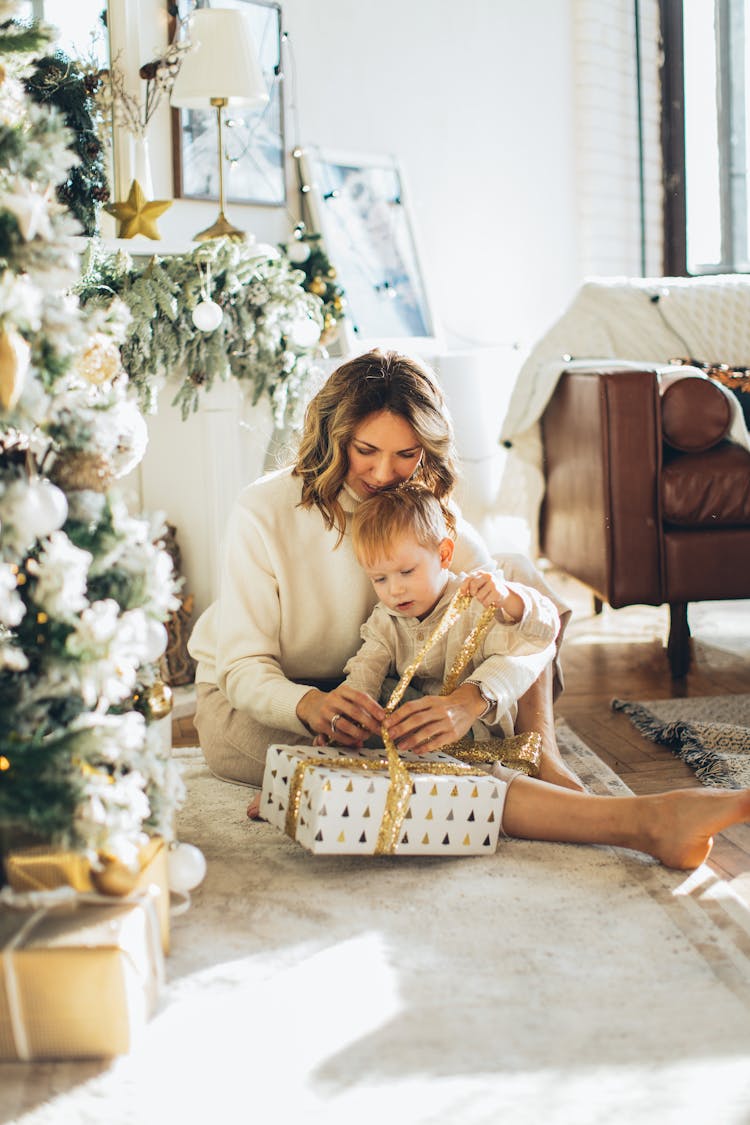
<point>78,979</point>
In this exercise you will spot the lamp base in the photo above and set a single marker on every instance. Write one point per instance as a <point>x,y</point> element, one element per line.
<point>222,228</point>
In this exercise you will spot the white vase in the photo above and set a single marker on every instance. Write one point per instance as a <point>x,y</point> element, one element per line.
<point>140,164</point>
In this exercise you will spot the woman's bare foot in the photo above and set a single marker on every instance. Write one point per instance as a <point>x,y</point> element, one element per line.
<point>553,769</point>
<point>679,827</point>
<point>253,809</point>
<point>535,714</point>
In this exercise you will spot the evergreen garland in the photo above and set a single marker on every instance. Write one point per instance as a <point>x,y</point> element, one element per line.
<point>264,306</point>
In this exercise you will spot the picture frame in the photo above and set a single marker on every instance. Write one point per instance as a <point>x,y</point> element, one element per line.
<point>358,205</point>
<point>254,147</point>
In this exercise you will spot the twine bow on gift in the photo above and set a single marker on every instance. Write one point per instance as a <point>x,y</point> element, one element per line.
<point>521,752</point>
<point>40,903</point>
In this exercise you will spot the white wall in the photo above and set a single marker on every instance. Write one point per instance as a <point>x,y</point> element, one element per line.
<point>477,101</point>
<point>515,124</point>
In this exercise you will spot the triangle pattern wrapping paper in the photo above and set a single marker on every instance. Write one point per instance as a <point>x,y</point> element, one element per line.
<point>341,809</point>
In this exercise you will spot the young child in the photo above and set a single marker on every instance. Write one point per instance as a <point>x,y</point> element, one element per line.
<point>403,541</point>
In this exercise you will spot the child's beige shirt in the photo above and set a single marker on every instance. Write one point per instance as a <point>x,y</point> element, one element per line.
<point>509,658</point>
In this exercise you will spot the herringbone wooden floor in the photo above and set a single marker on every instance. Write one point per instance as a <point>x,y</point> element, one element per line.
<point>620,653</point>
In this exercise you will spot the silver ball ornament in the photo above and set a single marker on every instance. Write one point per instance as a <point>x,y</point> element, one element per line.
<point>207,316</point>
<point>187,867</point>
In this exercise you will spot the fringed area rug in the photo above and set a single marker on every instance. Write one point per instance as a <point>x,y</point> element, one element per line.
<point>710,733</point>
<point>545,983</point>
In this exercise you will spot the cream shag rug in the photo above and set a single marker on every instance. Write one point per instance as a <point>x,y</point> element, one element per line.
<point>546,983</point>
<point>710,733</point>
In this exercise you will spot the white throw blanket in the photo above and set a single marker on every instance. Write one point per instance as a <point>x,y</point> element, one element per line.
<point>622,322</point>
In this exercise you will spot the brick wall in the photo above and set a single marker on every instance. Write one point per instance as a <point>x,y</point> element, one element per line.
<point>606,136</point>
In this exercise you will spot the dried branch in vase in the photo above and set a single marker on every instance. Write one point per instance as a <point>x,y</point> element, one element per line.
<point>128,112</point>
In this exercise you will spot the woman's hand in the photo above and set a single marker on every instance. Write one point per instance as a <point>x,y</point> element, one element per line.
<point>427,724</point>
<point>343,716</point>
<point>492,592</point>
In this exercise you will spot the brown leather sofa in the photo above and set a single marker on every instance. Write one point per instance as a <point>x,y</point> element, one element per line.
<point>647,500</point>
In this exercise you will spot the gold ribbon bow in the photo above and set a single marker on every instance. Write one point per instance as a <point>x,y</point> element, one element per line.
<point>522,752</point>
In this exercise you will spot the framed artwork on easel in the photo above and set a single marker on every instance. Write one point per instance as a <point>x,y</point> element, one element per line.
<point>253,140</point>
<point>358,205</point>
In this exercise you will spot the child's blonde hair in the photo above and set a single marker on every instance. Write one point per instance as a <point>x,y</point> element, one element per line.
<point>409,509</point>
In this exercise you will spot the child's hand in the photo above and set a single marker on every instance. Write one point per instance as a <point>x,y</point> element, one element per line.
<point>493,593</point>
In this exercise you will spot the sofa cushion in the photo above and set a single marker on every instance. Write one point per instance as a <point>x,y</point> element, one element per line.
<point>710,489</point>
<point>695,413</point>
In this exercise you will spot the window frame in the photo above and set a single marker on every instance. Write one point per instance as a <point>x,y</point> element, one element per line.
<point>733,202</point>
<point>674,262</point>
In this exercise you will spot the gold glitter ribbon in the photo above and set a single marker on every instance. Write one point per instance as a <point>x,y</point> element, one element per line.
<point>522,752</point>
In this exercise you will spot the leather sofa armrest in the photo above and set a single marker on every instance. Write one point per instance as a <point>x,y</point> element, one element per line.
<point>600,519</point>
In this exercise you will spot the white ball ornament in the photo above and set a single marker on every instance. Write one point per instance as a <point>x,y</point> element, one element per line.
<point>52,507</point>
<point>155,641</point>
<point>298,252</point>
<point>207,316</point>
<point>305,332</point>
<point>187,867</point>
<point>38,508</point>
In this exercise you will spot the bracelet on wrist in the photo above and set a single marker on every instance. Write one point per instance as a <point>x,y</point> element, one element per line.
<point>486,696</point>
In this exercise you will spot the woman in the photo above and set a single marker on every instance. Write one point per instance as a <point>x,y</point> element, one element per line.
<point>272,648</point>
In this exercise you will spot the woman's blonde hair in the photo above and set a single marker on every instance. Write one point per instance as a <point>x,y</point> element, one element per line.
<point>410,509</point>
<point>363,386</point>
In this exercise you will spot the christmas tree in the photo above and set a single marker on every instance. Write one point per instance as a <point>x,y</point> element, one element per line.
<point>84,585</point>
<point>62,82</point>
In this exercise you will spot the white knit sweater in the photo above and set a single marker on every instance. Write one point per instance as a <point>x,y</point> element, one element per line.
<point>290,606</point>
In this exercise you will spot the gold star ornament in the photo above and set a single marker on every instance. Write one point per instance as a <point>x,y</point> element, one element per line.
<point>138,215</point>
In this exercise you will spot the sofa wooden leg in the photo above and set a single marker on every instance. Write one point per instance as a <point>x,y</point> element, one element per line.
<point>598,605</point>
<point>678,645</point>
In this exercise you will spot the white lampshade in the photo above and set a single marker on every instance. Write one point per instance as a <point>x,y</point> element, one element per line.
<point>221,62</point>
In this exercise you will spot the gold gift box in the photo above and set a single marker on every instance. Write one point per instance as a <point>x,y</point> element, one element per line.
<point>77,982</point>
<point>44,869</point>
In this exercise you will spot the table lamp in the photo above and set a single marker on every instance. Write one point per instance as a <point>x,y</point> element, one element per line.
<point>221,69</point>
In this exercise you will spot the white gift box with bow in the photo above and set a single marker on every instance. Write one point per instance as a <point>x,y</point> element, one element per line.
<point>341,807</point>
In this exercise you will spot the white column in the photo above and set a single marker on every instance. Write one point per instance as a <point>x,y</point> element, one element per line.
<point>478,383</point>
<point>194,470</point>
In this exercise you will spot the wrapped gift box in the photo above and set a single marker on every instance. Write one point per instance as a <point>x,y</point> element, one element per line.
<point>78,980</point>
<point>341,808</point>
<point>44,869</point>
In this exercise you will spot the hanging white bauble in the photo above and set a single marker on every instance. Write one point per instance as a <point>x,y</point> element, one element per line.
<point>38,509</point>
<point>187,866</point>
<point>305,332</point>
<point>132,437</point>
<point>155,641</point>
<point>298,252</point>
<point>207,316</point>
